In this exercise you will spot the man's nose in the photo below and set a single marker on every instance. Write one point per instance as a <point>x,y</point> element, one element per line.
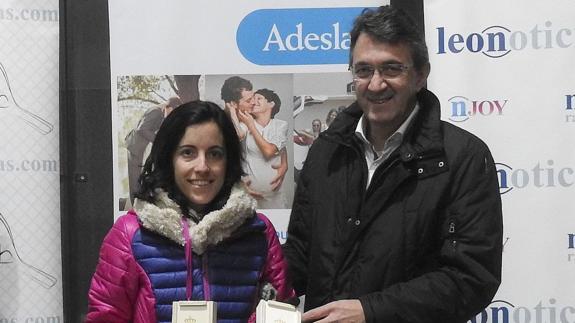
<point>377,82</point>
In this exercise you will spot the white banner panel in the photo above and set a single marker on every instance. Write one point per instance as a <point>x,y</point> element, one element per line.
<point>299,49</point>
<point>200,37</point>
<point>30,253</point>
<point>504,71</point>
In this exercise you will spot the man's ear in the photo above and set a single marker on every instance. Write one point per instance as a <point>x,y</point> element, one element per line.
<point>422,75</point>
<point>230,105</point>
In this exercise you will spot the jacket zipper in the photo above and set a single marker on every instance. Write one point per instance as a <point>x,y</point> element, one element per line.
<point>205,281</point>
<point>451,227</point>
<point>430,154</point>
<point>451,232</point>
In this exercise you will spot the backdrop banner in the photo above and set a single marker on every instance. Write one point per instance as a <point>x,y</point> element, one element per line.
<point>188,49</point>
<point>30,245</point>
<point>507,76</point>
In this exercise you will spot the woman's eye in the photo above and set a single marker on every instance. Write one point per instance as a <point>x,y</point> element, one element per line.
<point>187,152</point>
<point>216,154</point>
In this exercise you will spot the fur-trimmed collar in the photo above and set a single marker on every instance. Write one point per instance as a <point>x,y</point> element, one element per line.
<point>165,218</point>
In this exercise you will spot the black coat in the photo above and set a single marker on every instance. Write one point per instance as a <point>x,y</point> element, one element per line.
<point>422,244</point>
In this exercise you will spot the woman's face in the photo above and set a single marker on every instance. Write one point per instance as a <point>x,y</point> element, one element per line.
<point>200,164</point>
<point>261,104</point>
<point>316,126</point>
<point>332,115</point>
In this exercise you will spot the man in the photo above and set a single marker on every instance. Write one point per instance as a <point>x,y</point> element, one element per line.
<point>138,139</point>
<point>397,214</point>
<point>266,137</point>
<point>238,95</point>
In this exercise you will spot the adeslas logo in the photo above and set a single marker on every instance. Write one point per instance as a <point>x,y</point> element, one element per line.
<point>497,41</point>
<point>463,108</point>
<point>500,311</point>
<point>299,36</point>
<point>282,235</point>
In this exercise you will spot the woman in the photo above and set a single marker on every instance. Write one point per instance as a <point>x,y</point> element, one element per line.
<point>190,187</point>
<point>308,136</point>
<point>330,117</point>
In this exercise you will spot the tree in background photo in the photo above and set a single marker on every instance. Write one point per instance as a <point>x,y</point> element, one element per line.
<point>143,103</point>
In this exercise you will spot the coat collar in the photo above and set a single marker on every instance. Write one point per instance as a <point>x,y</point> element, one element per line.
<point>423,136</point>
<point>164,217</point>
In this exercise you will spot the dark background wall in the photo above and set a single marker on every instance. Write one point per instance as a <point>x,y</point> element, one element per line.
<point>86,145</point>
<point>87,200</point>
<point>415,10</point>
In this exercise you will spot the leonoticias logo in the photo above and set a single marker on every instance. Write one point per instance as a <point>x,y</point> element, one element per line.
<point>544,311</point>
<point>496,41</point>
<point>541,175</point>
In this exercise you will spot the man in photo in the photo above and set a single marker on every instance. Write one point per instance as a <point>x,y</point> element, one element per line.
<point>141,136</point>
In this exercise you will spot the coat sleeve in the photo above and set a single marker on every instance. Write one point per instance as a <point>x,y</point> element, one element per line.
<point>297,246</point>
<point>468,270</point>
<point>114,285</point>
<point>275,268</point>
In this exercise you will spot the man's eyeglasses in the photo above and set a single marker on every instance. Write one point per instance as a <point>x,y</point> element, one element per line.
<point>364,72</point>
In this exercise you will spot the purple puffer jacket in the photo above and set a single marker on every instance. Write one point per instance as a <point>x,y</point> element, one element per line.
<point>122,291</point>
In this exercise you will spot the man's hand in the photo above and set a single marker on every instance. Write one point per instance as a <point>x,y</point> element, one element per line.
<point>344,311</point>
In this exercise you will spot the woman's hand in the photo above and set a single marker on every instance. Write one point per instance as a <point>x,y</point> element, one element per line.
<point>247,119</point>
<point>255,194</point>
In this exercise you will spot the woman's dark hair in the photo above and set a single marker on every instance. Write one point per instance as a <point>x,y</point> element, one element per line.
<point>158,171</point>
<point>328,119</point>
<point>271,96</point>
<point>390,25</point>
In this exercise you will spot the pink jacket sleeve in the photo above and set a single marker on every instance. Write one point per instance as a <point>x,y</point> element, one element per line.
<point>275,268</point>
<point>114,286</point>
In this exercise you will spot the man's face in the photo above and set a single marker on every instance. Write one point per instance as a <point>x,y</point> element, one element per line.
<point>246,102</point>
<point>386,101</point>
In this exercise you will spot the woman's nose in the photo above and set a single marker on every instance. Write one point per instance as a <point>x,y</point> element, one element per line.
<point>201,164</point>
